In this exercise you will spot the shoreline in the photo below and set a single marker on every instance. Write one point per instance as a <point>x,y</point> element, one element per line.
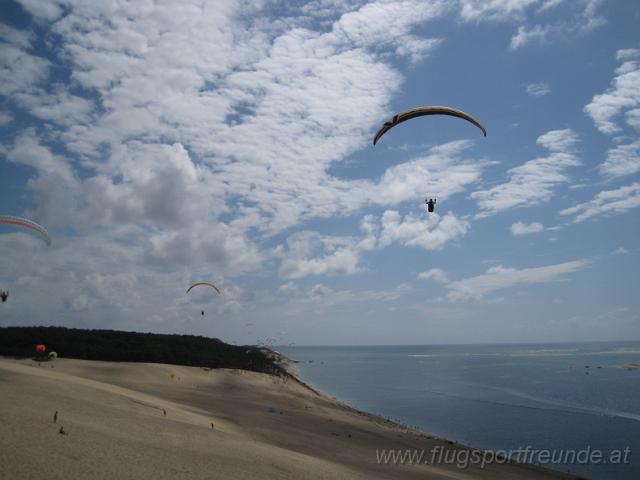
<point>289,365</point>
<point>135,419</point>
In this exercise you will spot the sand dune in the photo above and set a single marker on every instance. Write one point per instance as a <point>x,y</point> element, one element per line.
<point>135,420</point>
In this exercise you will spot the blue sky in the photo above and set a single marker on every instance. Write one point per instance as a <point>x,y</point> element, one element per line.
<point>232,142</point>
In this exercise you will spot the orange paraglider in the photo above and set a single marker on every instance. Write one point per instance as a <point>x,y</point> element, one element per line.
<point>207,284</point>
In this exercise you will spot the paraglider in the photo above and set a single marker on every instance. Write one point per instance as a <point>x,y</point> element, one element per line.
<point>28,226</point>
<point>422,111</point>
<point>53,354</point>
<point>211,285</point>
<point>4,295</point>
<point>206,284</point>
<point>431,204</point>
<point>40,348</point>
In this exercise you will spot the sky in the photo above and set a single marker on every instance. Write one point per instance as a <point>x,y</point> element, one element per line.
<point>166,142</point>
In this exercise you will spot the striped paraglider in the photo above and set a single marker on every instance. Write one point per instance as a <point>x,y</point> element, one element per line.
<point>27,226</point>
<point>423,111</point>
<point>204,284</point>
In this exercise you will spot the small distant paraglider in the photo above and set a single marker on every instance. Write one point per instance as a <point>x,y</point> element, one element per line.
<point>27,226</point>
<point>4,295</point>
<point>205,284</point>
<point>40,348</point>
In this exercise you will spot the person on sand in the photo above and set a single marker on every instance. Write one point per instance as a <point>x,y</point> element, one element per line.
<point>55,417</point>
<point>61,431</point>
<point>4,295</point>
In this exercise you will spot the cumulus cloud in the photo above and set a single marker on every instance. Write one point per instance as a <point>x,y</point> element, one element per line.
<point>622,160</point>
<point>606,203</point>
<point>310,253</point>
<point>622,97</point>
<point>534,181</point>
<point>620,251</point>
<point>499,278</point>
<point>520,228</point>
<point>430,231</point>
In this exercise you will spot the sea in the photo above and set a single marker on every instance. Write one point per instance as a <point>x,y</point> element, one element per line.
<point>569,399</point>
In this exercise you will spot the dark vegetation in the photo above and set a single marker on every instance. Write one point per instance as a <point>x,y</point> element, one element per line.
<point>119,346</point>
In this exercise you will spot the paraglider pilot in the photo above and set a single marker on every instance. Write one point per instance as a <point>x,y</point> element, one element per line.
<point>431,204</point>
<point>4,295</point>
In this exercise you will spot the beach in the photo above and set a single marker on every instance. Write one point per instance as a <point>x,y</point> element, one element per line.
<point>135,420</point>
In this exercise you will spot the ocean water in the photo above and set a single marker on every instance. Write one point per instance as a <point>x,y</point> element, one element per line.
<point>546,396</point>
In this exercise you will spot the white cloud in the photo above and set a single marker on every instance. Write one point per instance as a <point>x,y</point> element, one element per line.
<point>28,150</point>
<point>434,274</point>
<point>328,297</point>
<point>289,289</point>
<point>584,18</point>
<point>18,38</point>
<point>5,118</point>
<point>620,251</point>
<point>310,253</point>
<point>499,277</point>
<point>538,89</point>
<point>526,35</point>
<point>628,53</point>
<point>606,203</point>
<point>579,17</point>
<point>520,228</point>
<point>20,71</point>
<point>623,95</point>
<point>622,160</point>
<point>561,141</point>
<point>42,11</point>
<point>533,182</point>
<point>492,10</point>
<point>430,232</point>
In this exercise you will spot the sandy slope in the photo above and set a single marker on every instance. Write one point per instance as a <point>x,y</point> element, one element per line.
<point>264,427</point>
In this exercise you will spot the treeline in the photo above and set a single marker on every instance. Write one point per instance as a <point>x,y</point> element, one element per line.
<point>120,346</point>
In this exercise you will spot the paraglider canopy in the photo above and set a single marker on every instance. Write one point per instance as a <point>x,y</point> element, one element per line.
<point>40,348</point>
<point>28,226</point>
<point>207,284</point>
<point>422,111</point>
<point>53,355</point>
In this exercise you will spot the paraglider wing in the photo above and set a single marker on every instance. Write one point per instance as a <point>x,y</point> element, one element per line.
<point>207,284</point>
<point>28,225</point>
<point>40,348</point>
<point>422,111</point>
